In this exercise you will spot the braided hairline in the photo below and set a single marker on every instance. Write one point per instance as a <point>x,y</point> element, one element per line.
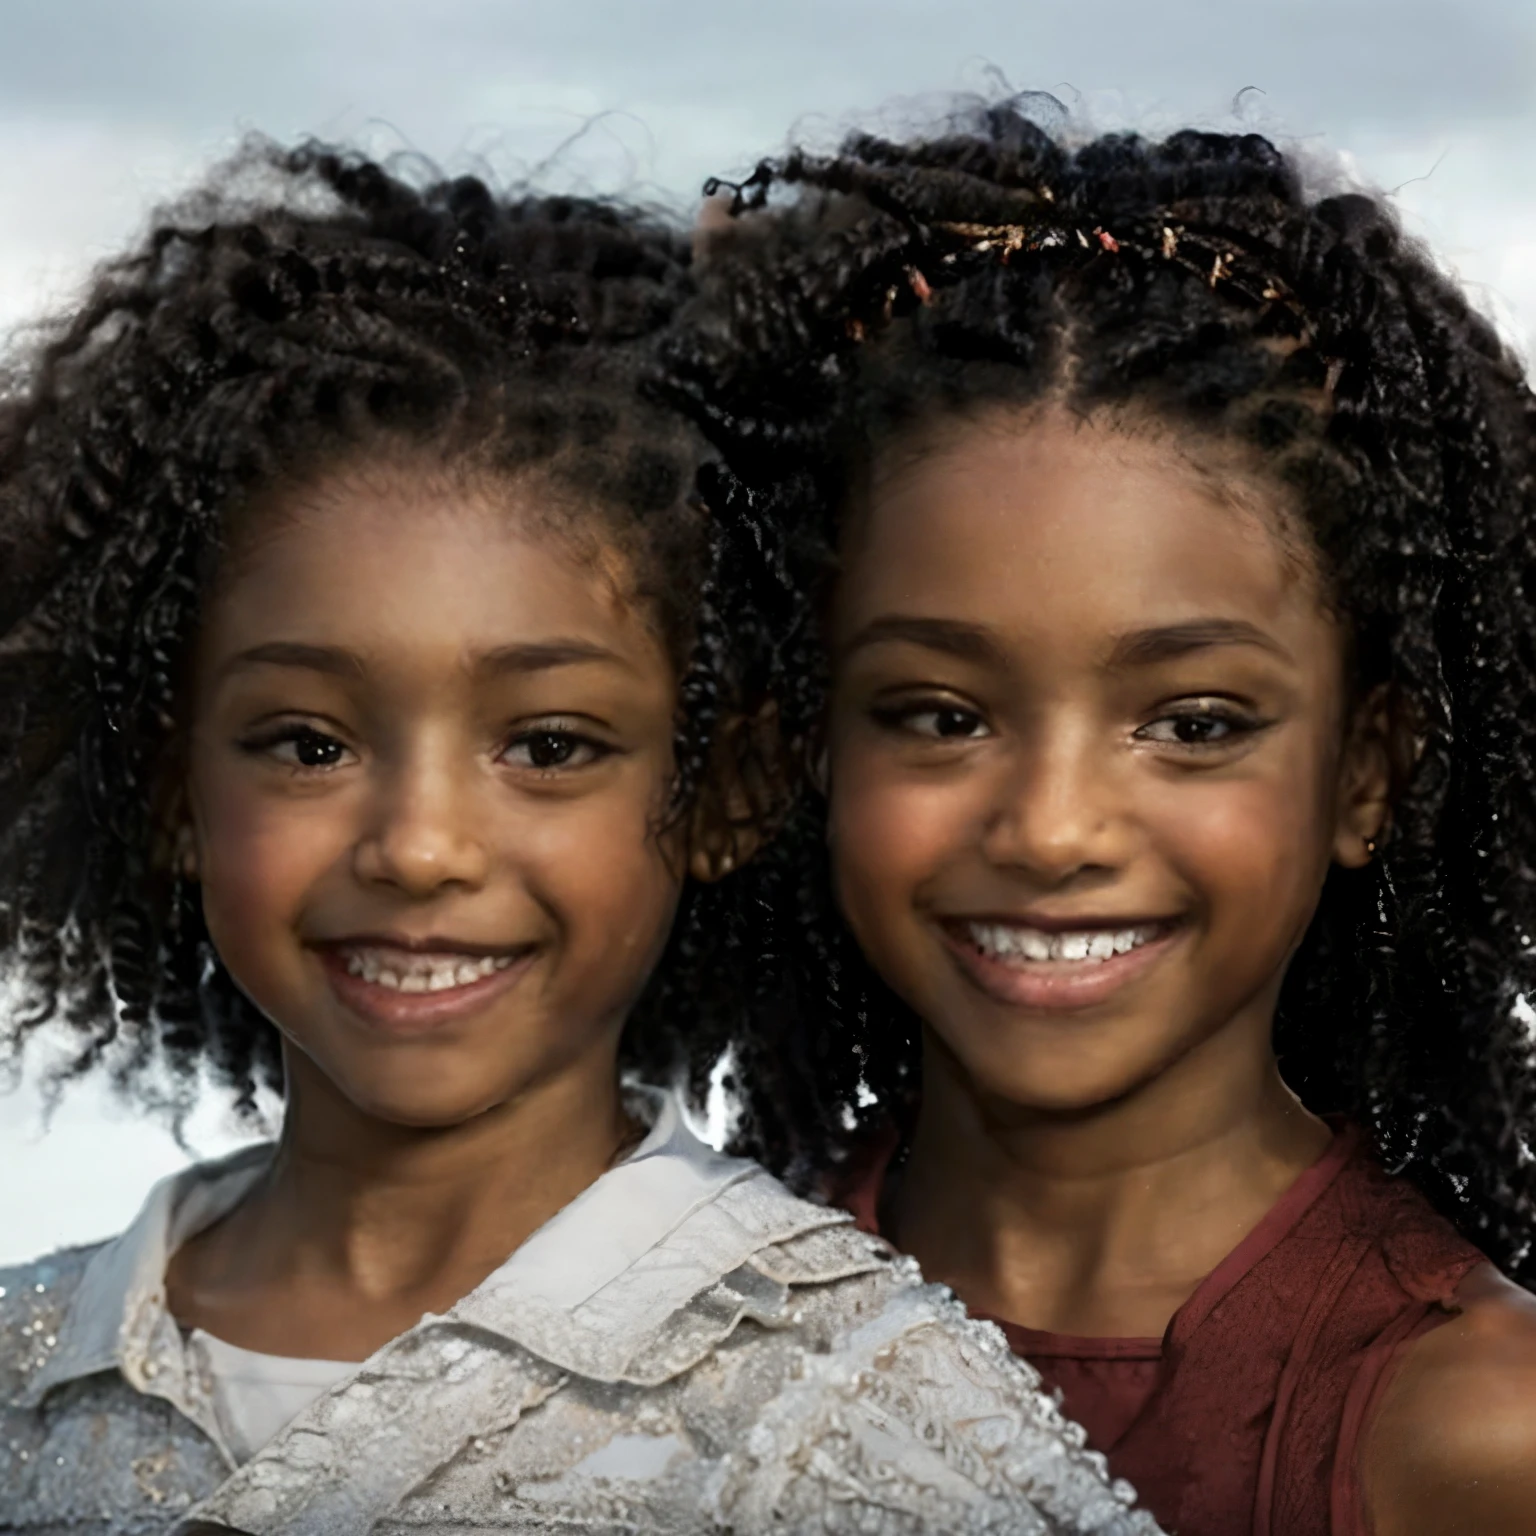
<point>1165,234</point>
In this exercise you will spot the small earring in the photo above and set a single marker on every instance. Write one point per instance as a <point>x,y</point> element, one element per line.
<point>727,862</point>
<point>1370,847</point>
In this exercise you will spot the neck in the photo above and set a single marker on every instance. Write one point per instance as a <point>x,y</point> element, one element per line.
<point>387,1205</point>
<point>1101,1222</point>
<point>360,1226</point>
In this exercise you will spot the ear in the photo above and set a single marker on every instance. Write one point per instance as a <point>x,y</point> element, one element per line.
<point>818,762</point>
<point>1377,755</point>
<point>746,796</point>
<point>184,850</point>
<point>175,849</point>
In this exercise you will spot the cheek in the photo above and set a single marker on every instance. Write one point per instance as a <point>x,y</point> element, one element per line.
<point>258,860</point>
<point>1257,847</point>
<point>889,831</point>
<point>607,877</point>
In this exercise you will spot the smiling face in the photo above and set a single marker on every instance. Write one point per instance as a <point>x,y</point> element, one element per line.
<point>430,747</point>
<point>1091,751</point>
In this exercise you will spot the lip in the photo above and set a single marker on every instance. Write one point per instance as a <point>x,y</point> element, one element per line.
<point>418,944</point>
<point>406,1014</point>
<point>1058,986</point>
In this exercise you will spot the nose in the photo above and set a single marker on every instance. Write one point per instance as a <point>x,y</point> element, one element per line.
<point>1054,814</point>
<point>422,832</point>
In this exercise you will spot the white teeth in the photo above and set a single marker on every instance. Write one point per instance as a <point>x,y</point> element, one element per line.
<point>1020,944</point>
<point>421,973</point>
<point>1035,945</point>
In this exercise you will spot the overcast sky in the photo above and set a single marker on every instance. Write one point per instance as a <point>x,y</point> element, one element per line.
<point>107,106</point>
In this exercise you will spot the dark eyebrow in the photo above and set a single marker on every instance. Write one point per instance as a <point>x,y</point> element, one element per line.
<point>1167,642</point>
<point>535,656</point>
<point>541,656</point>
<point>968,642</point>
<point>291,653</point>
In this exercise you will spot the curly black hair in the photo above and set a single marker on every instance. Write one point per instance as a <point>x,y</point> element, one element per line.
<point>1201,279</point>
<point>307,307</point>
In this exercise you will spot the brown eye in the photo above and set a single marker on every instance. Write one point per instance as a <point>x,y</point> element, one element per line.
<point>315,751</point>
<point>1198,728</point>
<point>1194,730</point>
<point>935,720</point>
<point>947,722</point>
<point>955,722</point>
<point>546,750</point>
<point>301,747</point>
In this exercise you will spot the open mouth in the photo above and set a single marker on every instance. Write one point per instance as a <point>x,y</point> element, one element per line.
<point>1015,944</point>
<point>402,970</point>
<point>1048,969</point>
<point>399,988</point>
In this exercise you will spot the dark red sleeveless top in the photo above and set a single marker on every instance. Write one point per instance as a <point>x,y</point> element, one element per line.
<point>1246,1417</point>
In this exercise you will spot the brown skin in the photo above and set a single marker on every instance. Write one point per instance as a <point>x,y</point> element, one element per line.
<point>1084,675</point>
<point>455,644</point>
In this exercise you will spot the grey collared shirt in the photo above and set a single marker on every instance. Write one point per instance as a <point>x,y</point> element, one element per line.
<point>685,1348</point>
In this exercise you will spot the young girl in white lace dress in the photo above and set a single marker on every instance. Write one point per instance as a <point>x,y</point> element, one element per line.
<point>372,729</point>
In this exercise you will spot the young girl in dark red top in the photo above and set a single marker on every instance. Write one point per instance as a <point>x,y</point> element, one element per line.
<point>1176,753</point>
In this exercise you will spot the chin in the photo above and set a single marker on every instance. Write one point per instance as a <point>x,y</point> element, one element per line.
<point>1066,1083</point>
<point>419,1106</point>
<point>1068,1100</point>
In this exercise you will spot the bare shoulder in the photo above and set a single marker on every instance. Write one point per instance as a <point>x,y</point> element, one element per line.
<point>1453,1447</point>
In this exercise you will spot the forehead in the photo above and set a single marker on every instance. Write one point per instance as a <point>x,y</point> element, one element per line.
<point>392,561</point>
<point>1058,527</point>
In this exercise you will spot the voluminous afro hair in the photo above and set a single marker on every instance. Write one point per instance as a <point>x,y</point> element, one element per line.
<point>311,309</point>
<point>1199,279</point>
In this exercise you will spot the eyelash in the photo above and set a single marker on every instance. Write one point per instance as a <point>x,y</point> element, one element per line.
<point>1234,721</point>
<point>296,736</point>
<point>300,737</point>
<point>552,732</point>
<point>902,717</point>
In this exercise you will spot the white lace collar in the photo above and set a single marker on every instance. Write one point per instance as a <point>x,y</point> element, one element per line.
<point>118,1318</point>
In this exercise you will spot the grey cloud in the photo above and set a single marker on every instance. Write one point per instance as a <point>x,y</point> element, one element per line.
<point>186,67</point>
<point>661,93</point>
